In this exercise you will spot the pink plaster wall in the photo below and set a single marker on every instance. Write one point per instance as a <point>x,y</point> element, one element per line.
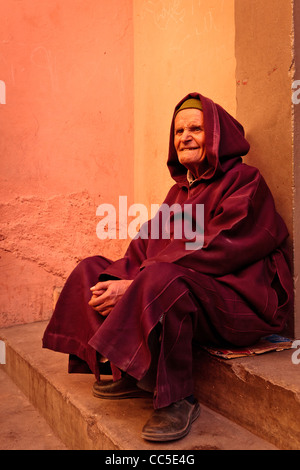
<point>66,141</point>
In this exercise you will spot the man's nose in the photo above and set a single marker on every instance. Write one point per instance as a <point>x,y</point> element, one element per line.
<point>186,135</point>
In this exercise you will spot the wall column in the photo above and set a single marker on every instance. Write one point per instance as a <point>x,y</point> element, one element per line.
<point>264,74</point>
<point>296,167</point>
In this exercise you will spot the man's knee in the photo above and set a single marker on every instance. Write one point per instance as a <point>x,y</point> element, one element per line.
<point>91,263</point>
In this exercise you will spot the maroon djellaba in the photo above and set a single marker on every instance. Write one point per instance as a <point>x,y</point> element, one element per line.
<point>231,290</point>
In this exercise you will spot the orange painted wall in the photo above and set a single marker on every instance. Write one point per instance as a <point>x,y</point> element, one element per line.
<point>66,142</point>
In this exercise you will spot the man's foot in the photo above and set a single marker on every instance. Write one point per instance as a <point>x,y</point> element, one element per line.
<point>124,388</point>
<point>172,422</point>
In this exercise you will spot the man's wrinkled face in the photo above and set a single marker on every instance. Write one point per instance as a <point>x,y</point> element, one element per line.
<point>189,138</point>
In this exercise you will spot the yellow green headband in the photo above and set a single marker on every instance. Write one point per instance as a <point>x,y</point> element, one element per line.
<point>190,103</point>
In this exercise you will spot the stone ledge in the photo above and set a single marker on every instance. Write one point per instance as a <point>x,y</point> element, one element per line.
<point>261,393</point>
<point>22,426</point>
<point>85,422</point>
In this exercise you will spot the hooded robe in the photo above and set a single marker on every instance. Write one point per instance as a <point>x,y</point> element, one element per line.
<point>234,289</point>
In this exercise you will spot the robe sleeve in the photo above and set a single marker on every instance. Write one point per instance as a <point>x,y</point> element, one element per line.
<point>244,228</point>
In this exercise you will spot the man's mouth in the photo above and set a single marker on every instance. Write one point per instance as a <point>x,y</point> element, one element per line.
<point>189,148</point>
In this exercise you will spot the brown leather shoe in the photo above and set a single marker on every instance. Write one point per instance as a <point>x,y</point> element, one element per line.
<point>172,422</point>
<point>124,388</point>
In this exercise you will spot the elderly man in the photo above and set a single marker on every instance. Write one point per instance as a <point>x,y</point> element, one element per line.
<point>143,311</point>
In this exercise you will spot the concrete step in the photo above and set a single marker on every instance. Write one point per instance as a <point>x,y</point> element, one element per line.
<point>22,426</point>
<point>82,421</point>
<point>260,393</point>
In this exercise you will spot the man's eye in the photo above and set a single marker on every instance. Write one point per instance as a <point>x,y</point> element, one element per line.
<point>179,131</point>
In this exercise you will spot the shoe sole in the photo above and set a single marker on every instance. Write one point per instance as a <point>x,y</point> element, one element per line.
<point>125,395</point>
<point>178,435</point>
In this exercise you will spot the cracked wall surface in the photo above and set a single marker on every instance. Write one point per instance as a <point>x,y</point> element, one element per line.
<point>41,241</point>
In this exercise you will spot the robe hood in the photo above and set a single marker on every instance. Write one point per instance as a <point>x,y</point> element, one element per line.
<point>224,140</point>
